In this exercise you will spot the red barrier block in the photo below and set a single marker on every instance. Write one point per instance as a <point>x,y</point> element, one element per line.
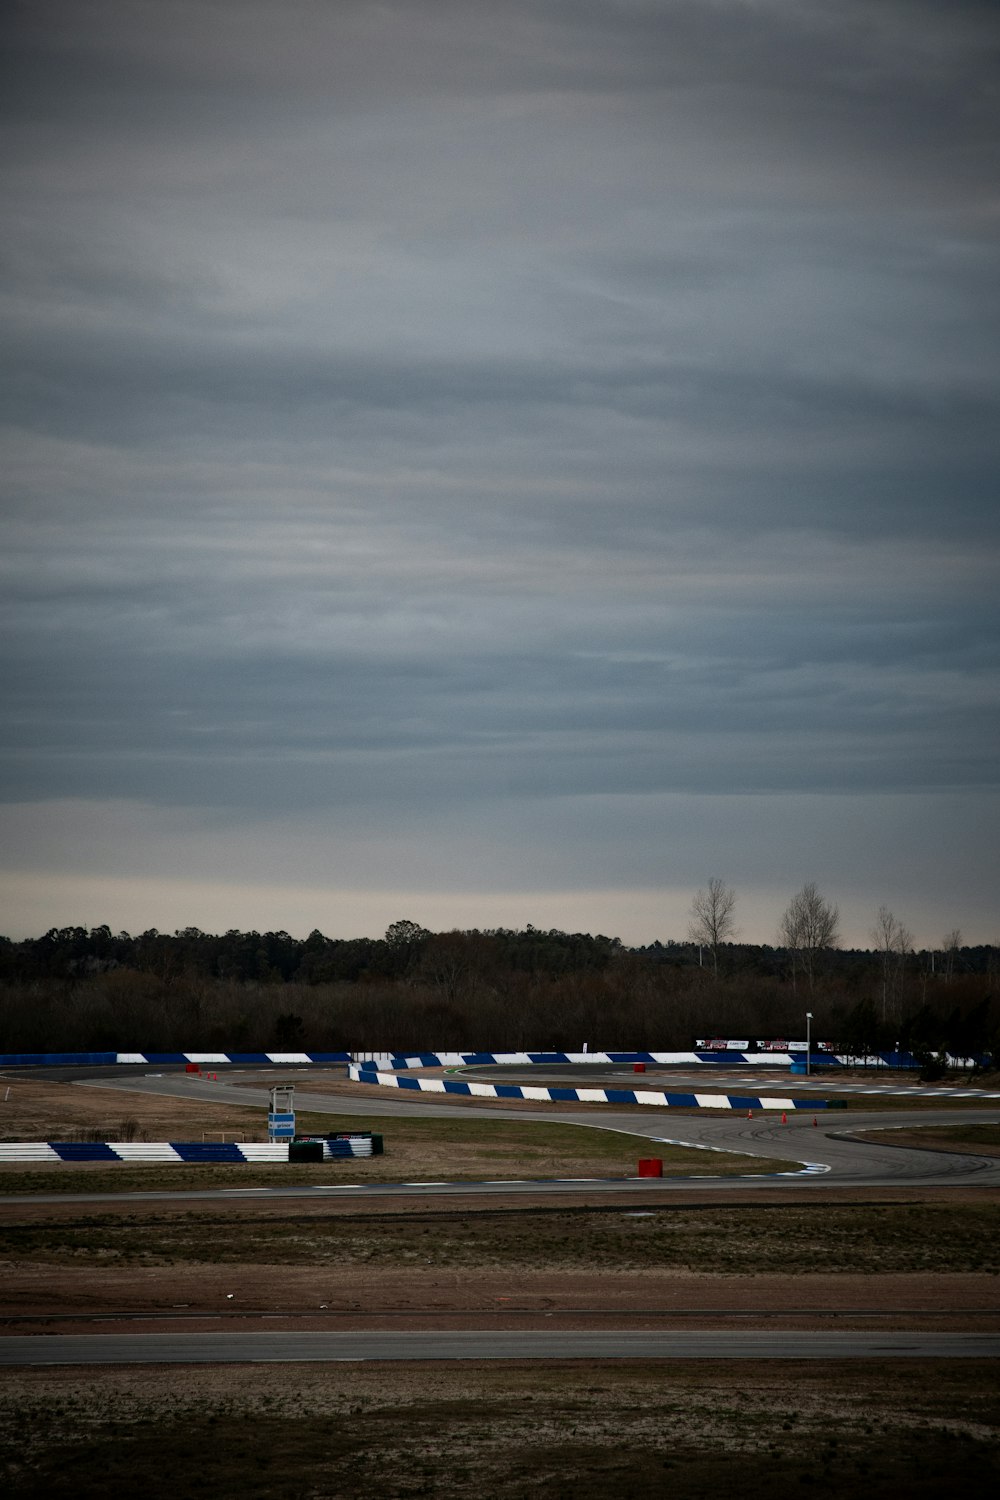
<point>638,1067</point>
<point>650,1166</point>
<point>192,1068</point>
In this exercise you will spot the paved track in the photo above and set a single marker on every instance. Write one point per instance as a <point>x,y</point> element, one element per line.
<point>268,1348</point>
<point>828,1144</point>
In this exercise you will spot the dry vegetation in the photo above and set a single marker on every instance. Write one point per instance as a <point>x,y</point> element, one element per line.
<point>791,1240</point>
<point>41,1109</point>
<point>623,1429</point>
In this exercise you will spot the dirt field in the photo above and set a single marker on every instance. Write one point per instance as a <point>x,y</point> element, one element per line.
<point>40,1297</point>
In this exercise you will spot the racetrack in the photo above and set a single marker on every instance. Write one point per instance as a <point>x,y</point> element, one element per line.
<point>829,1144</point>
<point>835,1159</point>
<point>524,1344</point>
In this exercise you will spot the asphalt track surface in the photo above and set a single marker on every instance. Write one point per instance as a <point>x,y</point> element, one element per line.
<point>732,1080</point>
<point>829,1146</point>
<point>526,1344</point>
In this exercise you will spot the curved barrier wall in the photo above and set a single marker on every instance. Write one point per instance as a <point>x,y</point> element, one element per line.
<point>360,1073</point>
<point>817,1060</point>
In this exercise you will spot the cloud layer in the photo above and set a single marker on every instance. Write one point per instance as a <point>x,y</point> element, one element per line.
<point>543,447</point>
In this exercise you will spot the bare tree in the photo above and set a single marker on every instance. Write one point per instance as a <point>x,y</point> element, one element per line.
<point>892,943</point>
<point>951,943</point>
<point>713,919</point>
<point>808,926</point>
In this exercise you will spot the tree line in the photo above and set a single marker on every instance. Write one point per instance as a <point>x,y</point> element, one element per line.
<point>78,988</point>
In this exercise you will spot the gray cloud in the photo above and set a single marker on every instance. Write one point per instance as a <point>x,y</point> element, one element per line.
<point>458,419</point>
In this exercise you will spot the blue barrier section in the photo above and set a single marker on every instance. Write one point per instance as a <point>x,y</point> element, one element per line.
<point>242,1057</point>
<point>907,1060</point>
<point>196,1151</point>
<point>57,1059</point>
<point>83,1151</point>
<point>245,1057</point>
<point>723,1059</point>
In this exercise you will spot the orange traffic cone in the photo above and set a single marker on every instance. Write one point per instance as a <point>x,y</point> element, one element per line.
<point>784,1118</point>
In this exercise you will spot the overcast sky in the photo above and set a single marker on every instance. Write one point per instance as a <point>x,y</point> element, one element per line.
<point>499,463</point>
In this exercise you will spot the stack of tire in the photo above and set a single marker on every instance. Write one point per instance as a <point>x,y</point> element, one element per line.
<point>313,1148</point>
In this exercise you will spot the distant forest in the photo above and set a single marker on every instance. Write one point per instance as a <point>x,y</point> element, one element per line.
<point>81,989</point>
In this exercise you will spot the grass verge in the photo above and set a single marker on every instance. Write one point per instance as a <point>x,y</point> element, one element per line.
<point>783,1239</point>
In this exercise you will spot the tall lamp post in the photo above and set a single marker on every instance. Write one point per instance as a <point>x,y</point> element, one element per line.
<point>809,1016</point>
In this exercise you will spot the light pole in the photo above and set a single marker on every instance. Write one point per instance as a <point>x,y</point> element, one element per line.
<point>809,1016</point>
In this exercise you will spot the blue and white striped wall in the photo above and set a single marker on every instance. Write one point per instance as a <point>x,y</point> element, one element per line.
<point>390,1062</point>
<point>191,1152</point>
<point>204,1059</point>
<point>365,1073</point>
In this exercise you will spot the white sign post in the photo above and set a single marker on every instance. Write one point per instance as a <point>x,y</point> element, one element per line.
<point>281,1113</point>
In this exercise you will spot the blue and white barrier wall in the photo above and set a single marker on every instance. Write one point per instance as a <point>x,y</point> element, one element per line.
<point>392,1062</point>
<point>204,1059</point>
<point>828,1060</point>
<point>191,1152</point>
<point>388,1061</point>
<point>365,1073</point>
